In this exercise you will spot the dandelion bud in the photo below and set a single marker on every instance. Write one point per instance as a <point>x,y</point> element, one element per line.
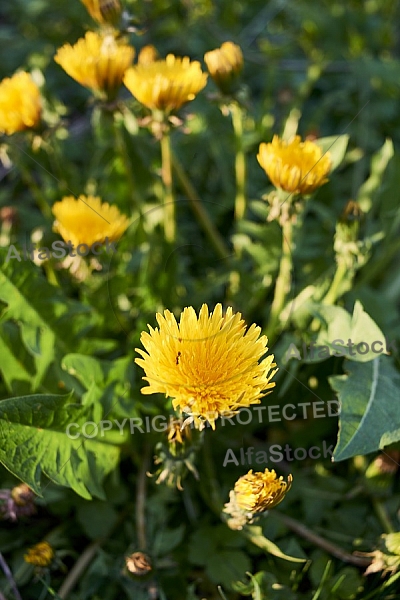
<point>225,65</point>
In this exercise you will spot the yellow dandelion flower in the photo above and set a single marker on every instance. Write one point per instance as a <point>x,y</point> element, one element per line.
<point>103,11</point>
<point>87,220</point>
<point>20,104</point>
<point>166,84</point>
<point>257,492</point>
<point>96,61</point>
<point>147,55</point>
<point>295,166</point>
<point>40,555</point>
<point>209,365</point>
<point>225,65</point>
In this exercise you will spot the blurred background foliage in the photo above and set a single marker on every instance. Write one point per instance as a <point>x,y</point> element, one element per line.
<point>328,69</point>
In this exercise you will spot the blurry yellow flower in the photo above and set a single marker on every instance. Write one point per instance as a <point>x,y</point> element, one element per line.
<point>40,555</point>
<point>20,104</point>
<point>295,166</point>
<point>225,65</point>
<point>147,55</point>
<point>209,365</point>
<point>166,84</point>
<point>257,492</point>
<point>87,220</point>
<point>96,61</point>
<point>103,11</point>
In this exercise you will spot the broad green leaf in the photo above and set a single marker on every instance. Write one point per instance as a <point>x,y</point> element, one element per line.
<point>226,566</point>
<point>370,410</point>
<point>350,336</point>
<point>33,440</point>
<point>336,145</point>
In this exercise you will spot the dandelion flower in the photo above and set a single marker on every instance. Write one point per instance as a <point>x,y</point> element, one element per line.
<point>96,61</point>
<point>209,365</point>
<point>165,85</point>
<point>103,11</point>
<point>295,166</point>
<point>20,104</point>
<point>40,555</point>
<point>225,65</point>
<point>87,220</point>
<point>257,492</point>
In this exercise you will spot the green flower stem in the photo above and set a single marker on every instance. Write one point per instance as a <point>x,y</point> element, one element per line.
<point>124,154</point>
<point>200,212</point>
<point>342,271</point>
<point>240,162</point>
<point>169,200</point>
<point>283,282</point>
<point>381,513</point>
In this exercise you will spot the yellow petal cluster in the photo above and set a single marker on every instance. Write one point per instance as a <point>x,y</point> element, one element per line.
<point>87,220</point>
<point>40,555</point>
<point>209,365</point>
<point>103,11</point>
<point>165,85</point>
<point>96,61</point>
<point>20,104</point>
<point>257,492</point>
<point>294,166</point>
<point>225,65</point>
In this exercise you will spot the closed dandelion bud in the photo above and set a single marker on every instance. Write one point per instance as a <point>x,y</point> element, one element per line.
<point>138,563</point>
<point>147,55</point>
<point>348,226</point>
<point>253,494</point>
<point>104,11</point>
<point>40,555</point>
<point>295,166</point>
<point>225,65</point>
<point>20,103</point>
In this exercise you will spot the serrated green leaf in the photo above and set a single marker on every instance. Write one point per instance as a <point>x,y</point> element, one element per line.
<point>33,440</point>
<point>370,411</point>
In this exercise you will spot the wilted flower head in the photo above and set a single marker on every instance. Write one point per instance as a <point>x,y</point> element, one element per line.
<point>40,555</point>
<point>87,220</point>
<point>138,563</point>
<point>165,85</point>
<point>96,61</point>
<point>253,494</point>
<point>20,104</point>
<point>17,502</point>
<point>103,11</point>
<point>225,65</point>
<point>209,365</point>
<point>147,55</point>
<point>295,166</point>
